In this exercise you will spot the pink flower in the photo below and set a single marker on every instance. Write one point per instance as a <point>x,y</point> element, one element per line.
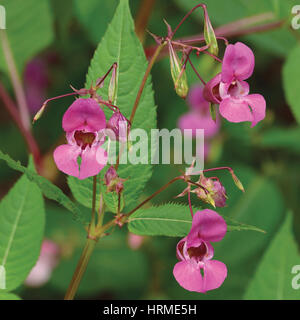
<point>199,116</point>
<point>84,123</point>
<point>214,192</point>
<point>229,89</point>
<point>47,261</point>
<point>195,253</point>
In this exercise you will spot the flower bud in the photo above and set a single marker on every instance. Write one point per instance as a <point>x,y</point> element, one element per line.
<point>119,125</point>
<point>112,181</point>
<point>237,182</point>
<point>40,112</point>
<point>213,192</point>
<point>209,35</point>
<point>178,73</point>
<point>110,175</point>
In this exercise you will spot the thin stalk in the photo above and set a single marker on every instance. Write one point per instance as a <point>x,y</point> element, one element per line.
<point>101,211</point>
<point>142,18</point>
<point>187,15</point>
<point>16,81</point>
<point>80,269</point>
<point>10,106</point>
<point>233,29</point>
<point>154,194</point>
<point>150,65</point>
<point>197,73</point>
<point>142,86</point>
<point>92,224</point>
<point>190,203</point>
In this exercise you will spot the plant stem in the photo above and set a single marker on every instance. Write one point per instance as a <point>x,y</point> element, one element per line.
<point>142,18</point>
<point>150,65</point>
<point>10,106</point>
<point>233,29</point>
<point>190,203</point>
<point>80,269</point>
<point>16,81</point>
<point>155,194</point>
<point>142,86</point>
<point>92,224</point>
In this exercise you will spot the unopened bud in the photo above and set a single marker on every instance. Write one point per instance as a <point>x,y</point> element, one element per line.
<point>112,181</point>
<point>110,175</point>
<point>237,181</point>
<point>209,35</point>
<point>119,125</point>
<point>178,73</point>
<point>40,112</point>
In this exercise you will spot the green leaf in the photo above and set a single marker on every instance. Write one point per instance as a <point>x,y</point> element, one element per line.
<point>291,76</point>
<point>111,199</point>
<point>121,45</point>
<point>82,190</point>
<point>29,29</point>
<point>173,220</point>
<point>9,296</point>
<point>22,222</point>
<point>49,190</point>
<point>274,276</point>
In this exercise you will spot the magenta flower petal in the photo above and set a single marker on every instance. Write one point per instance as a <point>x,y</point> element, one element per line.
<point>207,225</point>
<point>215,272</point>
<point>93,161</point>
<point>211,90</point>
<point>258,107</point>
<point>196,100</point>
<point>65,157</point>
<point>194,120</point>
<point>238,62</point>
<point>235,110</point>
<point>84,113</point>
<point>188,276</point>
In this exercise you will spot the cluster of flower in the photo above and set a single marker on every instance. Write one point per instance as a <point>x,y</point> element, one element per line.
<point>84,123</point>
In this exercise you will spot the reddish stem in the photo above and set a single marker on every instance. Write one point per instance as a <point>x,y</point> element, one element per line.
<point>197,73</point>
<point>142,18</point>
<point>28,137</point>
<point>190,203</point>
<point>187,15</point>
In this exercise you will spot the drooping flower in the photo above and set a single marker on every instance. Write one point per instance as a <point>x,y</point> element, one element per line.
<point>229,89</point>
<point>47,261</point>
<point>84,123</point>
<point>214,192</point>
<point>195,253</point>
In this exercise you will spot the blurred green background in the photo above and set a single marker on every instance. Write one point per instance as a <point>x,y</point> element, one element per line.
<point>53,42</point>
